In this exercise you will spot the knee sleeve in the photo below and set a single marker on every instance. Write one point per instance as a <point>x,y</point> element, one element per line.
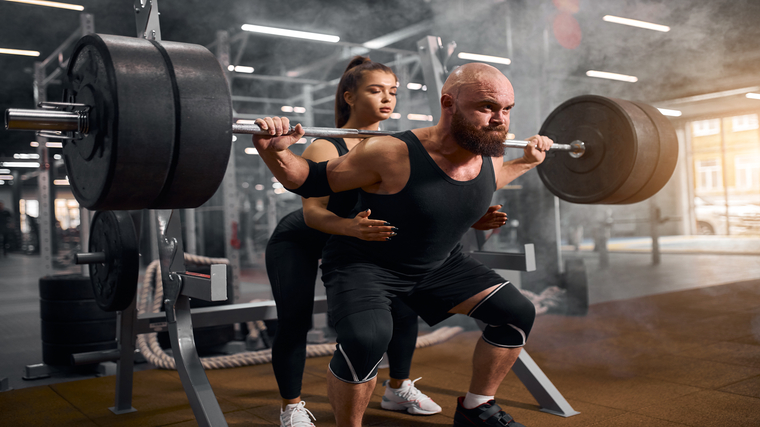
<point>508,314</point>
<point>362,340</point>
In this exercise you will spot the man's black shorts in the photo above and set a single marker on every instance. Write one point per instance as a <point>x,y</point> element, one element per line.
<point>356,286</point>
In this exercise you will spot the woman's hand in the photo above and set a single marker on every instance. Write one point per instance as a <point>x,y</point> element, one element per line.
<point>492,219</point>
<point>373,230</point>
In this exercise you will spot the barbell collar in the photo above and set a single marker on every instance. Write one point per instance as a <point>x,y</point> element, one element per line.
<point>76,121</point>
<point>90,258</point>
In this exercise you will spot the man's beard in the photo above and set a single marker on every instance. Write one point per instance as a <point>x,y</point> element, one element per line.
<point>485,141</point>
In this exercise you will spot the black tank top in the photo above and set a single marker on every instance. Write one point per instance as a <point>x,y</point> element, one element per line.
<point>293,224</point>
<point>432,213</point>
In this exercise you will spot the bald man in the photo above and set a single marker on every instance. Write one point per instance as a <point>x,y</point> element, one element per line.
<point>431,184</point>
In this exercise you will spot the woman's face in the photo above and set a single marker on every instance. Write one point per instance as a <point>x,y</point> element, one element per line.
<point>375,97</point>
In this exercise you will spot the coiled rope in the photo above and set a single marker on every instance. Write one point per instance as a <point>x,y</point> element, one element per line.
<point>155,355</point>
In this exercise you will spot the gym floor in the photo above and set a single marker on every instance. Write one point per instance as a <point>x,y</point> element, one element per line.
<point>676,344</point>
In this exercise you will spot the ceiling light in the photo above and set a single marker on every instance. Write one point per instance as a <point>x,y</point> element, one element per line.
<point>286,109</point>
<point>20,164</point>
<point>6,177</point>
<point>511,136</point>
<point>290,33</point>
<point>636,23</point>
<point>51,4</point>
<point>671,113</point>
<point>54,144</point>
<point>246,122</point>
<point>753,95</point>
<point>484,58</point>
<point>414,86</point>
<point>61,181</point>
<point>396,116</point>
<point>19,52</point>
<point>240,69</point>
<point>4,171</point>
<point>26,156</point>
<point>251,150</point>
<point>299,109</point>
<point>612,76</point>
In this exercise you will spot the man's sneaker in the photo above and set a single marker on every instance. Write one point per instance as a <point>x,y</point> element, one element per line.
<point>487,414</point>
<point>296,416</point>
<point>408,398</point>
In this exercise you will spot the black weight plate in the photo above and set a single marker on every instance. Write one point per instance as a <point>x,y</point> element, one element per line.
<point>68,287</point>
<point>73,311</point>
<point>204,126</point>
<point>78,332</point>
<point>125,159</point>
<point>617,161</point>
<point>667,158</point>
<point>114,282</point>
<point>60,354</point>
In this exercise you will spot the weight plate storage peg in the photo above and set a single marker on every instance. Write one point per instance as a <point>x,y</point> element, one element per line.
<point>114,275</point>
<point>623,151</point>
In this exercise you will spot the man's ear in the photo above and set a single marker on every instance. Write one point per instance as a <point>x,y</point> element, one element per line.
<point>447,102</point>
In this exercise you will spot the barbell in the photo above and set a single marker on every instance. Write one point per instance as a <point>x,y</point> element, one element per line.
<point>148,125</point>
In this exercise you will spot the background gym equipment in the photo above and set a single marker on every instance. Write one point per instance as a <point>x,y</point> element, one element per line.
<point>127,127</point>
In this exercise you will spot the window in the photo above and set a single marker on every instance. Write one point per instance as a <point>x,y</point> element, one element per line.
<point>709,174</point>
<point>706,127</point>
<point>747,172</point>
<point>742,123</point>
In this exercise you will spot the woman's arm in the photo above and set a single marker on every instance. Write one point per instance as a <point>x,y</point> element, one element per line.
<point>318,217</point>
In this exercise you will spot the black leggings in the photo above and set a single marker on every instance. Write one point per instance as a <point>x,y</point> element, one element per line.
<point>292,261</point>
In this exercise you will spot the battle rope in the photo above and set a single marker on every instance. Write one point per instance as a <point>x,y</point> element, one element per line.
<point>155,355</point>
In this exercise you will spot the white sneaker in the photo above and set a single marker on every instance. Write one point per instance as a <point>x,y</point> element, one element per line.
<point>296,415</point>
<point>408,398</point>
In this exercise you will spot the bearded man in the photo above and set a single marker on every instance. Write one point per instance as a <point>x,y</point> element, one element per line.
<point>432,184</point>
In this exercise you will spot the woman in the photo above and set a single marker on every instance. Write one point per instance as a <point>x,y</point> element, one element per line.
<point>366,96</point>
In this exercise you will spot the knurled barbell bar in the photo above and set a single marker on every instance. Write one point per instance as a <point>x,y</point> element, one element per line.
<point>55,123</point>
<point>149,125</point>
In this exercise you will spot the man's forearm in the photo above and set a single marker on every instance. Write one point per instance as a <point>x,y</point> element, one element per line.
<point>513,169</point>
<point>290,169</point>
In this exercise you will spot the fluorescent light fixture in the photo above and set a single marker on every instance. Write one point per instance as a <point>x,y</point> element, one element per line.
<point>299,109</point>
<point>396,116</point>
<point>19,52</point>
<point>246,122</point>
<point>753,95</point>
<point>4,171</point>
<point>54,144</point>
<point>612,76</point>
<point>290,33</point>
<point>420,117</point>
<point>484,58</point>
<point>240,69</point>
<point>61,181</point>
<point>26,156</point>
<point>636,23</point>
<point>6,177</point>
<point>51,4</point>
<point>302,141</point>
<point>57,156</point>
<point>258,187</point>
<point>286,109</point>
<point>671,113</point>
<point>251,151</point>
<point>511,136</point>
<point>34,144</point>
<point>414,86</point>
<point>20,164</point>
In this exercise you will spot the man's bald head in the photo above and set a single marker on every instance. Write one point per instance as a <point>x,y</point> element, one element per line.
<point>475,75</point>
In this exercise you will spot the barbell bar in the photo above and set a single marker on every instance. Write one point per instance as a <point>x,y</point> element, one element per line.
<point>76,121</point>
<point>148,125</point>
